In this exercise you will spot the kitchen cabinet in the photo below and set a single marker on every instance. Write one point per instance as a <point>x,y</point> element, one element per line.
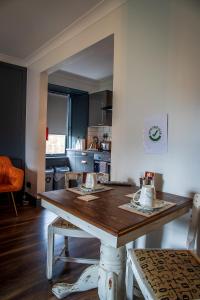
<point>81,161</point>
<point>71,155</point>
<point>97,115</point>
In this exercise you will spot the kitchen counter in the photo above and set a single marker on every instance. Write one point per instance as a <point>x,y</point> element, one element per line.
<point>97,155</point>
<point>88,150</point>
<point>88,160</point>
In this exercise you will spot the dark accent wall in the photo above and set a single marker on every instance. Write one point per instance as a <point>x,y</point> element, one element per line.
<point>13,112</point>
<point>79,116</point>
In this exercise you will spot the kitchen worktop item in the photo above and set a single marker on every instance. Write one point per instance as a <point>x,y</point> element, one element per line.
<point>95,143</point>
<point>105,145</point>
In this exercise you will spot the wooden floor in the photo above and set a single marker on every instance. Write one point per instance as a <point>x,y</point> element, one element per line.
<point>23,256</point>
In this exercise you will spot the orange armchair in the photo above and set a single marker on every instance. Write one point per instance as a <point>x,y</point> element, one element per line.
<point>11,178</point>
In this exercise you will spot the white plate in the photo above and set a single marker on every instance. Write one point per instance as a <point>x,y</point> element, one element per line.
<point>156,205</point>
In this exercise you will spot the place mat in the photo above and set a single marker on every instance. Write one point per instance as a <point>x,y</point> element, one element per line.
<point>79,191</point>
<point>87,197</point>
<point>146,213</point>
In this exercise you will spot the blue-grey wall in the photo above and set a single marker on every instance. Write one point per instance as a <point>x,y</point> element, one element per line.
<point>13,112</point>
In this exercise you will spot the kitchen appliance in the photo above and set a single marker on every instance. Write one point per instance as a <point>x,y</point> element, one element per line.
<point>102,162</point>
<point>105,146</point>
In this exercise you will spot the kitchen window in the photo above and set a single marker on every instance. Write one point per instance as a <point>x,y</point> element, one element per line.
<point>57,123</point>
<point>67,118</point>
<point>56,144</point>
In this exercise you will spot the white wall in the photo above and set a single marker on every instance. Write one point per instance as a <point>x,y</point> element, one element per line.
<point>80,82</point>
<point>156,69</point>
<point>105,84</point>
<point>36,114</point>
<point>161,68</point>
<point>83,37</point>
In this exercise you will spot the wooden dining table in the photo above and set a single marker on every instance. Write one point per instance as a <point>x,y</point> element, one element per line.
<point>114,227</point>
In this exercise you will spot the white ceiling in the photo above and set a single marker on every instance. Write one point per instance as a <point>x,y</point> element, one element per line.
<point>95,62</point>
<point>25,25</point>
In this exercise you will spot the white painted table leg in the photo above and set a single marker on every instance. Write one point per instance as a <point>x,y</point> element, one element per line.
<point>87,281</point>
<point>111,281</point>
<point>50,252</point>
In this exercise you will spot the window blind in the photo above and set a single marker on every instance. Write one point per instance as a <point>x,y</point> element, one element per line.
<point>57,114</point>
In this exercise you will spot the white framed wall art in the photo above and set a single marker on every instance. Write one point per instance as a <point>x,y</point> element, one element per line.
<point>156,134</point>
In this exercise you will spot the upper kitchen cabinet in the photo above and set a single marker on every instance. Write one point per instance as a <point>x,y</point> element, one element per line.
<point>100,109</point>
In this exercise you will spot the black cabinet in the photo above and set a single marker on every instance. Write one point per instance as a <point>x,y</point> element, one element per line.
<point>81,161</point>
<point>98,114</point>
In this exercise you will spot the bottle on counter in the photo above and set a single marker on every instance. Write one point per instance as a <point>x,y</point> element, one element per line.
<point>82,144</point>
<point>78,144</point>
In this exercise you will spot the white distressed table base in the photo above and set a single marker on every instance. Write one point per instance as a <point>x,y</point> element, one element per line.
<point>109,276</point>
<point>87,281</point>
<point>111,281</point>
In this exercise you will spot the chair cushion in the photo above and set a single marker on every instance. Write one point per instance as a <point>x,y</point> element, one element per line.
<point>6,188</point>
<point>171,274</point>
<point>11,178</point>
<point>61,223</point>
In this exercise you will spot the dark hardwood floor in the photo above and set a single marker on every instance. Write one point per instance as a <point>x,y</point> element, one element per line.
<point>23,256</point>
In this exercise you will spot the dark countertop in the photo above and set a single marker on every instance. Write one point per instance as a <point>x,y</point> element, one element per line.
<point>90,151</point>
<point>98,155</point>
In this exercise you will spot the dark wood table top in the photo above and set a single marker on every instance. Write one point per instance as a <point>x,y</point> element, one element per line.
<point>104,212</point>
